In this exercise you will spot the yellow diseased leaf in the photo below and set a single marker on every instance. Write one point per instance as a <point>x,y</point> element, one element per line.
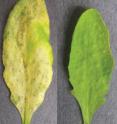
<point>27,56</point>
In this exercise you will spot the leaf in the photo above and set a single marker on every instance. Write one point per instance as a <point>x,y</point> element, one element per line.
<point>27,56</point>
<point>91,63</point>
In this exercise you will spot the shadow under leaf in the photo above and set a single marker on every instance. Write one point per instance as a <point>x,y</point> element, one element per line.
<point>74,17</point>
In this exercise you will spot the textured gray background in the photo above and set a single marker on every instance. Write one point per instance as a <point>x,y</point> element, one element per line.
<point>59,106</point>
<point>68,12</point>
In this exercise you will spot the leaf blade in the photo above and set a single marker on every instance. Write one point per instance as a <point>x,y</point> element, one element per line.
<point>91,63</point>
<point>27,56</point>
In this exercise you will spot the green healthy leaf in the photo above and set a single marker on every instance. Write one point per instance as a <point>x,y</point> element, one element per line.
<point>91,63</point>
<point>27,56</point>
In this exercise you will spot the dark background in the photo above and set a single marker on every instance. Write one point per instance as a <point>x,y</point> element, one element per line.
<point>59,106</point>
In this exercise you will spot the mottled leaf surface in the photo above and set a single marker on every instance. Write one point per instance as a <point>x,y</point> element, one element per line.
<point>27,56</point>
<point>91,63</point>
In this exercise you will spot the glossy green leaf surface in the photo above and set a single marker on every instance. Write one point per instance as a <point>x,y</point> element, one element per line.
<point>91,63</point>
<point>27,56</point>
